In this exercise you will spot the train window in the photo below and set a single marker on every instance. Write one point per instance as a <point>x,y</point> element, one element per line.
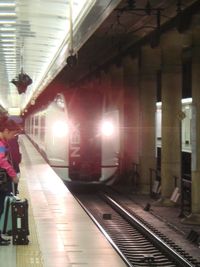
<point>42,128</point>
<point>36,120</point>
<point>28,126</point>
<point>36,125</point>
<point>36,131</point>
<point>32,125</point>
<point>43,121</point>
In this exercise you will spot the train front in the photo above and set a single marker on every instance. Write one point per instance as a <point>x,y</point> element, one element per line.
<point>93,139</point>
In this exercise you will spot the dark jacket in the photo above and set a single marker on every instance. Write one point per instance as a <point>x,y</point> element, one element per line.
<point>15,155</point>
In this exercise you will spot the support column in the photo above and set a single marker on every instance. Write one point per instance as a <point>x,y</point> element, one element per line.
<point>150,63</point>
<point>105,85</point>
<point>116,103</point>
<point>194,218</point>
<point>131,111</point>
<point>171,44</point>
<point>116,76</point>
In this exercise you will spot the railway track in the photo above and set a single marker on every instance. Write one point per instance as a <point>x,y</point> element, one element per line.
<point>138,243</point>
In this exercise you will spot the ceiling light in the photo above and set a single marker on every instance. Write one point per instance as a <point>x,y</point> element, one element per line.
<point>7,4</point>
<point>7,35</point>
<point>7,21</point>
<point>7,14</point>
<point>8,45</point>
<point>8,40</point>
<point>7,29</point>
<point>22,81</point>
<point>9,56</point>
<point>8,49</point>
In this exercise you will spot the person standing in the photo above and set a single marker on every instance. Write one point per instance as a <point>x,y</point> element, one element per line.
<point>8,130</point>
<point>15,157</point>
<point>14,152</point>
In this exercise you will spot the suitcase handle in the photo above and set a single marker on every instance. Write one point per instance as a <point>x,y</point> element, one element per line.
<point>13,189</point>
<point>13,193</point>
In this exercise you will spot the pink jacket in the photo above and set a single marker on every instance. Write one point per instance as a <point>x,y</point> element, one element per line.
<point>4,161</point>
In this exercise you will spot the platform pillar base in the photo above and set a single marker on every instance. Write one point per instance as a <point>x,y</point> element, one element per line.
<point>164,202</point>
<point>191,219</point>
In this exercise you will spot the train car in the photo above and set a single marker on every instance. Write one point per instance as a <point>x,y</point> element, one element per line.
<point>78,137</point>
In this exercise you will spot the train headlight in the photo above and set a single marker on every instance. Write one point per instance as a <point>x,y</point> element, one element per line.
<point>60,129</point>
<point>107,128</point>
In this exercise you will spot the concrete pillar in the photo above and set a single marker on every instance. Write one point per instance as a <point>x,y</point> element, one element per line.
<point>131,112</point>
<point>171,44</point>
<point>150,63</point>
<point>105,85</point>
<point>111,81</point>
<point>116,76</point>
<point>116,102</point>
<point>194,218</point>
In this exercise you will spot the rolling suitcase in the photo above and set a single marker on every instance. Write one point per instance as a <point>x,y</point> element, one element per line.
<point>20,229</point>
<point>6,217</point>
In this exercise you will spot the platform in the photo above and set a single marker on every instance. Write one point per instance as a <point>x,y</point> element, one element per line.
<point>61,233</point>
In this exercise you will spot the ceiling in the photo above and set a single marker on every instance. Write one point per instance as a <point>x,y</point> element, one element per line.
<point>130,25</point>
<point>37,36</point>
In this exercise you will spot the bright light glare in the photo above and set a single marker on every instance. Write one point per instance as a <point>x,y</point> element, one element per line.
<point>107,128</point>
<point>60,129</point>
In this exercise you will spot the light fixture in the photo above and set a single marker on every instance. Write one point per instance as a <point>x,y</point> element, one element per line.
<point>22,80</point>
<point>7,29</point>
<point>7,22</point>
<point>7,35</point>
<point>7,14</point>
<point>72,61</point>
<point>7,4</point>
<point>33,102</point>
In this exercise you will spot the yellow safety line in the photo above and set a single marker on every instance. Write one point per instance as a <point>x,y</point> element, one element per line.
<point>28,255</point>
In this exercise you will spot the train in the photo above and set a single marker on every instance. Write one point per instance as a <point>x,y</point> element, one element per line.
<point>78,137</point>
